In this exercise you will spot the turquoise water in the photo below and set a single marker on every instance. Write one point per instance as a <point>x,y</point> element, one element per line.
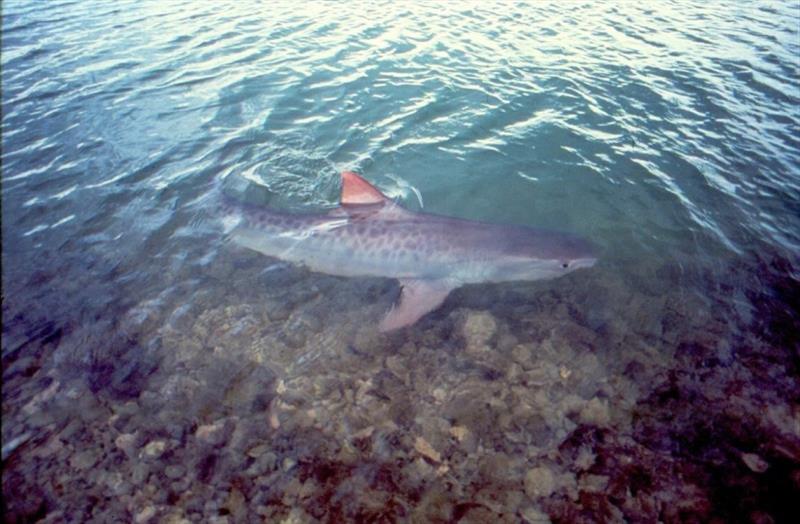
<point>154,370</point>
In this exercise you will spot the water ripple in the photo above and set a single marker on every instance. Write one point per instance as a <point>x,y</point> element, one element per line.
<point>687,117</point>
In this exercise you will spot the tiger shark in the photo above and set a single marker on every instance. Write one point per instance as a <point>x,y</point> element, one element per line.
<point>368,234</point>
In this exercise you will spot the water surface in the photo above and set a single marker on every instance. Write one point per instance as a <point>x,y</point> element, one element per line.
<point>153,370</point>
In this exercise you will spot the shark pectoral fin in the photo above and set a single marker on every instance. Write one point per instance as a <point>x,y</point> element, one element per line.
<point>417,298</point>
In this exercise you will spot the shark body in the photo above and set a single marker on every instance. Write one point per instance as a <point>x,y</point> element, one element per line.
<point>370,235</point>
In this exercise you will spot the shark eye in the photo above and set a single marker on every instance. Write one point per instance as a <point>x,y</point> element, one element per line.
<point>565,265</point>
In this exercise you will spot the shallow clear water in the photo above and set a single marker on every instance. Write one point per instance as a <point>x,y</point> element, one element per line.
<point>154,370</point>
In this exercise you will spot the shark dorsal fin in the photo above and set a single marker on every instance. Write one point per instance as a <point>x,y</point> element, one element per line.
<point>356,190</point>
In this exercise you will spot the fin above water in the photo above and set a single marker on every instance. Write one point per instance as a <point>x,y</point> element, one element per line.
<point>356,190</point>
<point>361,200</point>
<point>417,298</point>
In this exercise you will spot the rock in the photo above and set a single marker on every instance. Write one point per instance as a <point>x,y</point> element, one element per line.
<point>127,443</point>
<point>52,447</point>
<point>118,485</point>
<point>257,451</point>
<point>187,349</point>
<point>70,430</point>
<point>540,375</point>
<point>254,391</point>
<point>300,419</point>
<point>175,471</point>
<point>294,338</point>
<point>154,449</point>
<point>426,450</point>
<point>533,515</point>
<point>595,412</point>
<point>53,517</point>
<point>175,431</point>
<point>127,409</point>
<point>522,355</point>
<point>539,482</point>
<point>514,374</point>
<point>478,328</point>
<point>479,515</point>
<point>459,432</point>
<point>84,460</point>
<point>364,433</point>
<point>40,419</point>
<point>585,459</point>
<point>211,507</point>
<point>281,388</point>
<point>265,463</point>
<point>269,460</point>
<point>90,408</point>
<point>176,518</point>
<point>439,394</point>
<point>274,421</point>
<point>237,505</point>
<point>139,473</point>
<point>147,513</point>
<point>754,462</point>
<point>297,516</point>
<point>212,434</point>
<point>397,365</point>
<point>41,398</point>
<point>419,471</point>
<point>182,484</point>
<point>593,483</point>
<point>435,505</point>
<point>495,465</point>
